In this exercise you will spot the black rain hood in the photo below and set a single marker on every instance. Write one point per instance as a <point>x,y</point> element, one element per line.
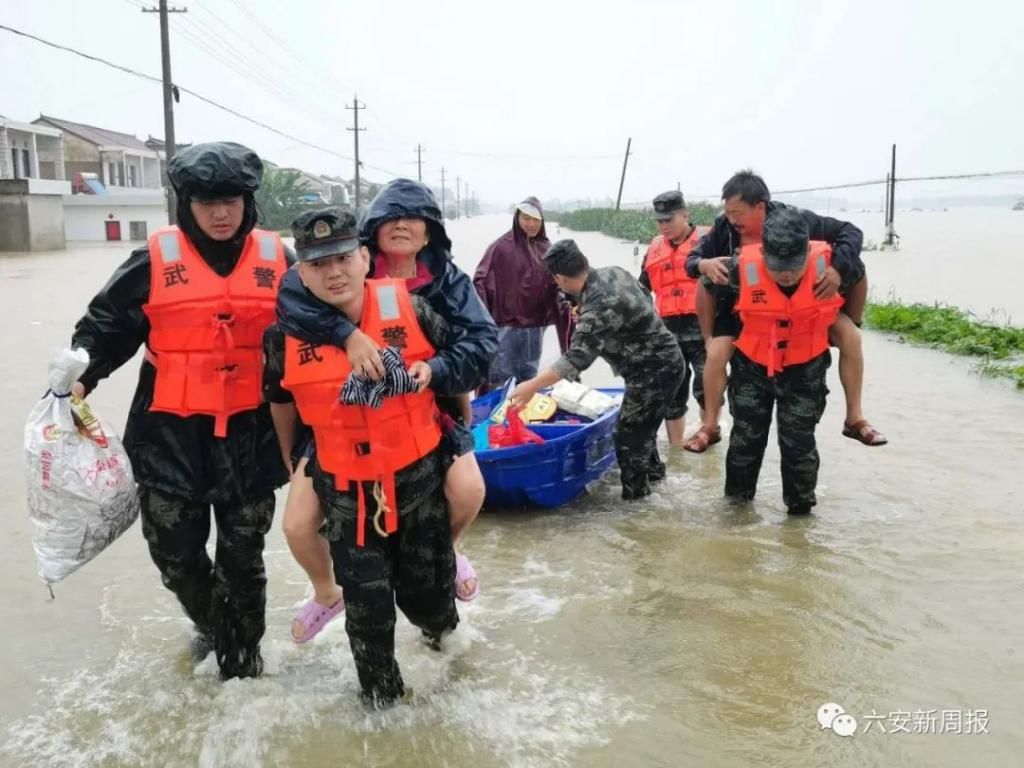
<point>212,170</point>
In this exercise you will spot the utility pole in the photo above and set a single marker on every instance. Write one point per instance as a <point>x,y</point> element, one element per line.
<point>465,198</point>
<point>169,94</point>
<point>443,214</point>
<point>890,231</point>
<point>419,163</point>
<point>625,160</point>
<point>457,203</point>
<point>885,220</point>
<point>355,131</point>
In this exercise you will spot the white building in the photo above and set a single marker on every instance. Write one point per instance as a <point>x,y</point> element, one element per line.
<point>129,202</point>
<point>32,187</point>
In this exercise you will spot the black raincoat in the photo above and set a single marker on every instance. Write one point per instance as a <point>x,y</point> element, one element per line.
<point>173,454</point>
<point>458,368</point>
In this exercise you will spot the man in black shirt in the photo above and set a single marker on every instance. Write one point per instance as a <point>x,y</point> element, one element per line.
<point>747,204</point>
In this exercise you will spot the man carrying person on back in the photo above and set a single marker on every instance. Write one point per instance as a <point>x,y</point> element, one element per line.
<point>747,204</point>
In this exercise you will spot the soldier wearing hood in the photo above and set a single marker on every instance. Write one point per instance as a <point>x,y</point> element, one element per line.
<point>199,296</point>
<point>521,295</point>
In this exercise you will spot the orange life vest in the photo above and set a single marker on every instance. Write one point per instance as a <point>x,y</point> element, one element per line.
<point>780,330</point>
<point>206,331</point>
<point>356,442</point>
<point>675,293</point>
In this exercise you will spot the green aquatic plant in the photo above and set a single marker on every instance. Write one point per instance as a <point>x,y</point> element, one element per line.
<point>954,330</point>
<point>626,225</point>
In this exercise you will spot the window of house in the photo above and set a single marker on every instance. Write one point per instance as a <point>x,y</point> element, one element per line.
<point>113,174</point>
<point>15,165</point>
<point>132,178</point>
<point>26,164</point>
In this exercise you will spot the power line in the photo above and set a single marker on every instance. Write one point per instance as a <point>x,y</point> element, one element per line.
<point>989,175</point>
<point>194,94</point>
<point>517,157</point>
<point>292,55</point>
<point>270,34</point>
<point>239,67</point>
<point>901,179</point>
<point>512,156</point>
<point>227,54</point>
<point>170,93</point>
<point>258,65</point>
<point>869,183</point>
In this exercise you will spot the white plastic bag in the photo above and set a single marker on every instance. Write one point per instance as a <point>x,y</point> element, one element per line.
<point>581,400</point>
<point>81,491</point>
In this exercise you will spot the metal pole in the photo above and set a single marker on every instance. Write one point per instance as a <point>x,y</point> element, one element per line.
<point>885,220</point>
<point>355,113</point>
<point>890,234</point>
<point>165,61</point>
<point>622,181</point>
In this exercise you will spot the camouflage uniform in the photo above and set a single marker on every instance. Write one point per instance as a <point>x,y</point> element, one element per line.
<point>799,391</point>
<point>685,328</point>
<point>413,567</point>
<point>227,599</point>
<point>618,322</point>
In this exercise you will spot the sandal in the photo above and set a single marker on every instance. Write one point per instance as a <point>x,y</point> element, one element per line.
<point>312,618</point>
<point>464,573</point>
<point>863,432</point>
<point>703,439</point>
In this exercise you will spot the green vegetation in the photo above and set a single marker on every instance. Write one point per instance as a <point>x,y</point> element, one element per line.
<point>954,330</point>
<point>280,199</point>
<point>627,225</point>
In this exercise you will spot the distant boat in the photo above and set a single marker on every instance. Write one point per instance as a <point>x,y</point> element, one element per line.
<point>1020,205</point>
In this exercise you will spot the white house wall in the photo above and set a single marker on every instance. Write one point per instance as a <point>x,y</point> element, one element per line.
<point>87,222</point>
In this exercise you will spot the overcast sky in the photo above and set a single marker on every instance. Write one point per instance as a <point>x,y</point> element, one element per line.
<point>539,97</point>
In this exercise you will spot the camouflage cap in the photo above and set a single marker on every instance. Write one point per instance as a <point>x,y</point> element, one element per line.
<point>324,232</point>
<point>785,238</point>
<point>667,203</point>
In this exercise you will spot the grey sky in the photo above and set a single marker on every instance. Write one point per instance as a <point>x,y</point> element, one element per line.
<point>807,93</point>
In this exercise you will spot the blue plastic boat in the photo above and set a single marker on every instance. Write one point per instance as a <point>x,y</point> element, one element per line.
<point>573,456</point>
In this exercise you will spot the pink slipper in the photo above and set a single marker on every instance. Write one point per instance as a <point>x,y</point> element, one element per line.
<point>463,573</point>
<point>313,617</point>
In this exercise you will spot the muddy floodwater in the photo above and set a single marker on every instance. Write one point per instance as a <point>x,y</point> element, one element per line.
<point>676,631</point>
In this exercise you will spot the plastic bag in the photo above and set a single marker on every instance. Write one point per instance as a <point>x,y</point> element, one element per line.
<point>81,491</point>
<point>580,399</point>
<point>515,433</point>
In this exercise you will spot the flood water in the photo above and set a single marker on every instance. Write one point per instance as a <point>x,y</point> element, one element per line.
<point>676,631</point>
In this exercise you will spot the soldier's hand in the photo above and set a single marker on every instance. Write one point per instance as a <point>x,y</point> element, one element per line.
<point>364,354</point>
<point>827,284</point>
<point>78,390</point>
<point>421,374</point>
<point>522,394</point>
<point>716,270</point>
